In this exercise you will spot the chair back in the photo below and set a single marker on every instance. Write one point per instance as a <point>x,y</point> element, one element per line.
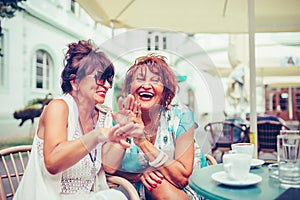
<point>12,167</point>
<point>210,160</point>
<point>267,132</point>
<point>223,133</point>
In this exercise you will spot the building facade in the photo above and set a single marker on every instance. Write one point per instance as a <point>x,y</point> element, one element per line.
<point>32,52</point>
<point>33,44</point>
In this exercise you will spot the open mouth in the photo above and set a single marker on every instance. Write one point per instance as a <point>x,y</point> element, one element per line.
<point>101,93</point>
<point>146,95</point>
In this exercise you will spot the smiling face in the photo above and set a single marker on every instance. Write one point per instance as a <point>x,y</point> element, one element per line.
<point>90,87</point>
<point>147,87</point>
<point>151,81</point>
<point>102,86</point>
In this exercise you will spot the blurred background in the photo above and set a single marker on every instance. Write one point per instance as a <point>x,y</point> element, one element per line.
<point>211,59</point>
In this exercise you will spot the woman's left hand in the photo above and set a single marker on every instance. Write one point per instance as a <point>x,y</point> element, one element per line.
<point>128,111</point>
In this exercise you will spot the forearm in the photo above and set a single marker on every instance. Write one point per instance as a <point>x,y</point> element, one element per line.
<point>112,156</point>
<point>64,155</point>
<point>174,171</point>
<point>67,153</point>
<point>179,171</point>
<point>147,148</point>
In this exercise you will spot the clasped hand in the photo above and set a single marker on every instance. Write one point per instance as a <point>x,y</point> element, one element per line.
<point>151,178</point>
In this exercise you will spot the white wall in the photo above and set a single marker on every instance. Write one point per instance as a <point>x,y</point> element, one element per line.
<point>48,25</point>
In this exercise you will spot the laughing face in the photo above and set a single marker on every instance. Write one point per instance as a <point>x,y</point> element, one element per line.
<point>147,87</point>
<point>151,81</point>
<point>94,87</point>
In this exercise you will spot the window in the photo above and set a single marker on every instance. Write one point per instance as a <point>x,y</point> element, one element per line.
<point>3,77</point>
<point>156,40</point>
<point>297,100</point>
<point>72,6</point>
<point>41,70</point>
<point>284,101</point>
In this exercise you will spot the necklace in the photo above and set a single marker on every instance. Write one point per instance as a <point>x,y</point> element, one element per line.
<point>95,153</point>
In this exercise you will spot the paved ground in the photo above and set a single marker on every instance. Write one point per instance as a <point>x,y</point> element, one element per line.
<point>10,130</point>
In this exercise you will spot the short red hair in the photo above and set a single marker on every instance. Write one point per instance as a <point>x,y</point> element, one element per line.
<point>156,64</point>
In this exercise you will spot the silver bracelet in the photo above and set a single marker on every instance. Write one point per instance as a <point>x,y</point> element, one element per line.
<point>160,160</point>
<point>163,161</point>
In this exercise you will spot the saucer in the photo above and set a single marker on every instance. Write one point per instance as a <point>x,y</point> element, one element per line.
<point>256,162</point>
<point>222,177</point>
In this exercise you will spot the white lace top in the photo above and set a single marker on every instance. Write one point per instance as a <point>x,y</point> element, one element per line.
<point>80,177</point>
<point>73,183</point>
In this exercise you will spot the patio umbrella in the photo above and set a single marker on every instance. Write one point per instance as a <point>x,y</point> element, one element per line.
<point>201,16</point>
<point>196,16</point>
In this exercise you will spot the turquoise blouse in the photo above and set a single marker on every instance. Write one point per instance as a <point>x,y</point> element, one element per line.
<point>173,123</point>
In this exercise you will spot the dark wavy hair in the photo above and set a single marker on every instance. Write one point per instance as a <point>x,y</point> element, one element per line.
<point>81,59</point>
<point>157,65</point>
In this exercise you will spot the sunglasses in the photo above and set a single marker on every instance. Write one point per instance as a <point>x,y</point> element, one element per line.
<point>101,77</point>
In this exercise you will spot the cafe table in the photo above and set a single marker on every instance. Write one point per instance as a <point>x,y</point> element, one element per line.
<point>202,183</point>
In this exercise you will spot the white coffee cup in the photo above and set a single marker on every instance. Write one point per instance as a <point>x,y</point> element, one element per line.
<point>237,165</point>
<point>243,148</point>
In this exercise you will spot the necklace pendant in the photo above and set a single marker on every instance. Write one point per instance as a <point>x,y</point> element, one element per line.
<point>165,138</point>
<point>93,170</point>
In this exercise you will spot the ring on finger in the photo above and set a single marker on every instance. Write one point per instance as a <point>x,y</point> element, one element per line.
<point>136,112</point>
<point>118,133</point>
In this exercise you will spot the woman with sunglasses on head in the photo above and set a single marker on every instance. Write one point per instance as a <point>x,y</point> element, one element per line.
<point>161,162</point>
<point>73,137</point>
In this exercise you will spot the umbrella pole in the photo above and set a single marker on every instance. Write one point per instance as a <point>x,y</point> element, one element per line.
<point>112,26</point>
<point>253,118</point>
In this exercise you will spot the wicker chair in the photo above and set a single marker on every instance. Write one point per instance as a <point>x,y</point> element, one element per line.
<point>267,132</point>
<point>210,160</point>
<point>223,135</point>
<point>13,164</point>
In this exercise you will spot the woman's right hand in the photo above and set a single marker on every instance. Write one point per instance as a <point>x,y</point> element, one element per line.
<point>151,179</point>
<point>118,134</point>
